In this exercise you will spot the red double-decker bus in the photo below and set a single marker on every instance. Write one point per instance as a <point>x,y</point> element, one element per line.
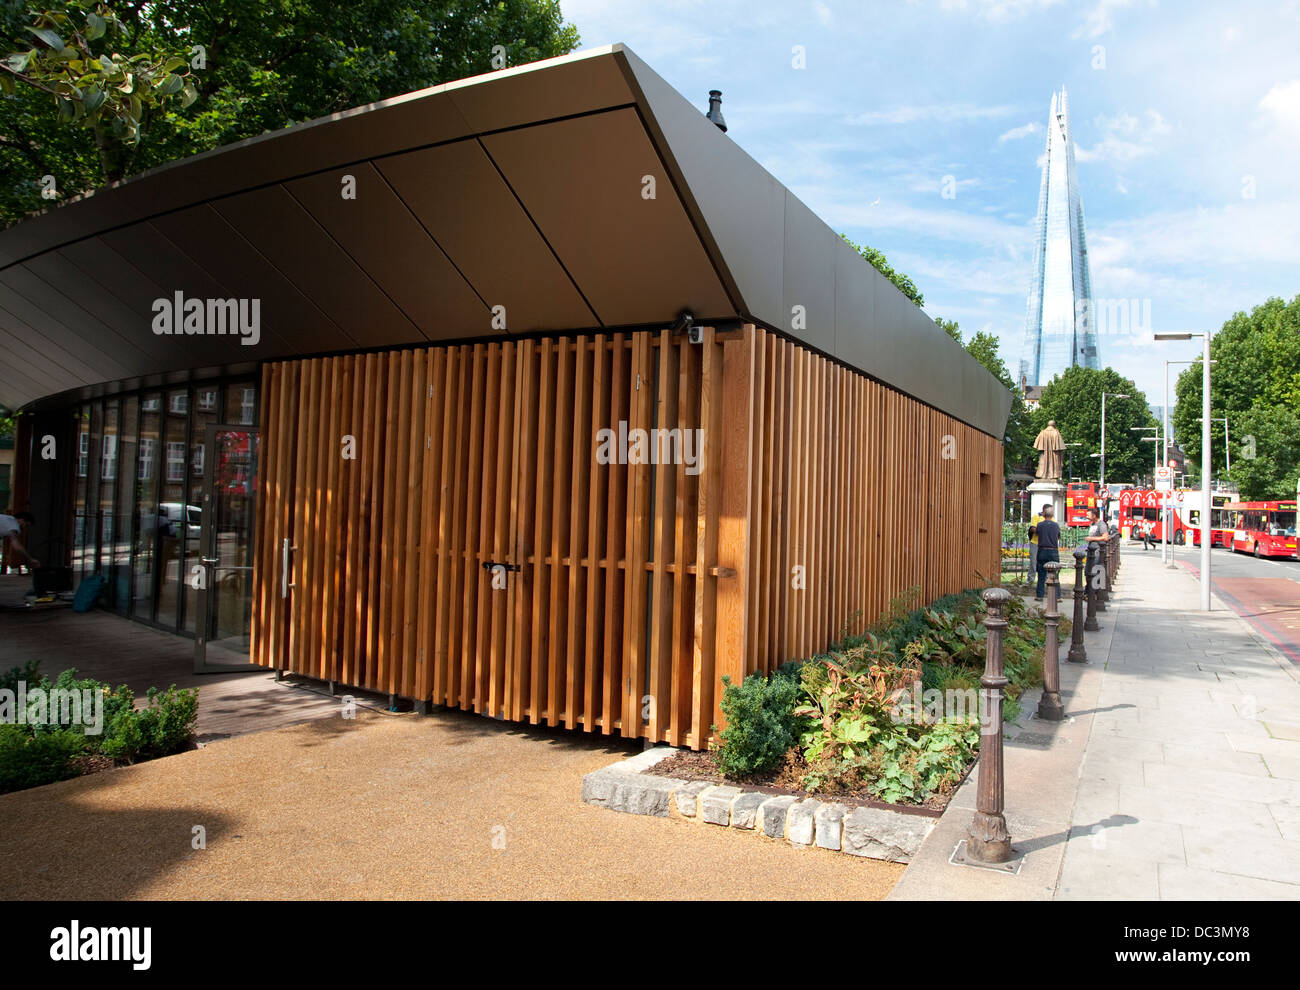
<point>1080,496</point>
<point>1266,529</point>
<point>1220,520</point>
<point>1141,507</point>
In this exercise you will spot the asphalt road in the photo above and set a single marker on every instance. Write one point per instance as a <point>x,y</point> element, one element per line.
<point>1265,592</point>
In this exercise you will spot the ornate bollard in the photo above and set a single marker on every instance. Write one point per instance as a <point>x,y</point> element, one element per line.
<point>989,841</point>
<point>1090,624</point>
<point>1049,705</point>
<point>1101,570</point>
<point>1077,652</point>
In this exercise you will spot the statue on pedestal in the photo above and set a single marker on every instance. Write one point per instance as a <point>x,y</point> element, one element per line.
<point>1051,447</point>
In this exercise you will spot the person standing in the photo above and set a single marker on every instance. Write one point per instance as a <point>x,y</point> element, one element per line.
<point>1049,548</point>
<point>1098,536</point>
<point>1033,539</point>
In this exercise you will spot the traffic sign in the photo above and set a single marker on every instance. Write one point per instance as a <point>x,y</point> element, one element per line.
<point>1164,479</point>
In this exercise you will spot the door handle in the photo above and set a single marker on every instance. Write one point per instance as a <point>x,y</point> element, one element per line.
<point>210,560</point>
<point>285,551</point>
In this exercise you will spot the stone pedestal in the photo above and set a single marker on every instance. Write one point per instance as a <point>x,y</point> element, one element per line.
<point>1048,492</point>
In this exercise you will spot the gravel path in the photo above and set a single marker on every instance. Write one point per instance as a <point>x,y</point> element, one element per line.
<point>389,807</point>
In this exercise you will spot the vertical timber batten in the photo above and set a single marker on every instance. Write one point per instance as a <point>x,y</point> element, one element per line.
<point>533,530</point>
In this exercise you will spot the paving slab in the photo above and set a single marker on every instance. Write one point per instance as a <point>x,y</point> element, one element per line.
<point>1180,781</point>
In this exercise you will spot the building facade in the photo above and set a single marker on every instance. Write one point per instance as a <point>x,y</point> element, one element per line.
<point>530,394</point>
<point>1060,317</point>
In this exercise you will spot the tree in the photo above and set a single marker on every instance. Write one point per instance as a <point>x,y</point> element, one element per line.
<point>255,66</point>
<point>878,261</point>
<point>1266,452</point>
<point>1255,384</point>
<point>950,327</point>
<point>75,61</point>
<point>1073,400</point>
<point>983,347</point>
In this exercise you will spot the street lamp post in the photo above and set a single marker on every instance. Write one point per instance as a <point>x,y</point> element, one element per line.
<point>1227,447</point>
<point>1113,395</point>
<point>1205,457</point>
<point>1155,451</point>
<point>1072,445</point>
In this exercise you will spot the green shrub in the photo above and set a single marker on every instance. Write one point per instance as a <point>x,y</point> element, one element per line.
<point>761,724</point>
<point>162,727</point>
<point>28,760</point>
<point>27,672</point>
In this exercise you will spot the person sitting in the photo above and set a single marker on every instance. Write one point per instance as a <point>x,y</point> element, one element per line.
<point>12,528</point>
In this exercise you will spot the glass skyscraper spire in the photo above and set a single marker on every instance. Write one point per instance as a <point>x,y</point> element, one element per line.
<point>1060,325</point>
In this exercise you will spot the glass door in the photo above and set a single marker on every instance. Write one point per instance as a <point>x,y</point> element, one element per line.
<point>222,579</point>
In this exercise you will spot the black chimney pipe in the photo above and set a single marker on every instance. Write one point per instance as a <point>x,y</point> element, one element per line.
<point>715,109</point>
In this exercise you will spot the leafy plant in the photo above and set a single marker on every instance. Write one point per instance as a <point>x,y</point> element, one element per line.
<point>28,760</point>
<point>761,723</point>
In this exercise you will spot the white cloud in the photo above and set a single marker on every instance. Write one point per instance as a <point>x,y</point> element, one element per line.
<point>998,10</point>
<point>1098,21</point>
<point>1125,137</point>
<point>822,11</point>
<point>1282,104</point>
<point>1018,132</point>
<point>944,113</point>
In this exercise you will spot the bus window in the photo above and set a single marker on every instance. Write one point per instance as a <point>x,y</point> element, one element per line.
<point>1283,523</point>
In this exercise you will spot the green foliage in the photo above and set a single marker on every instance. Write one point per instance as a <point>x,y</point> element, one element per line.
<point>761,725</point>
<point>28,760</point>
<point>1019,447</point>
<point>1073,400</point>
<point>75,61</point>
<point>907,771</point>
<point>265,64</point>
<point>28,673</point>
<point>161,728</point>
<point>878,261</point>
<point>43,749</point>
<point>849,698</point>
<point>1256,386</point>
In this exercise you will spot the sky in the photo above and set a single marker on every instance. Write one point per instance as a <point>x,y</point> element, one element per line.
<point>1185,118</point>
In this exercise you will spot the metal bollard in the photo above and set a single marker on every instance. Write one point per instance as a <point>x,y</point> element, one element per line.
<point>989,841</point>
<point>1049,705</point>
<point>1090,623</point>
<point>1101,563</point>
<point>1077,652</point>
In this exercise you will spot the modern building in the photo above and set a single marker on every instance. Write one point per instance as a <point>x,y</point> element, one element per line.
<point>531,394</point>
<point>1060,318</point>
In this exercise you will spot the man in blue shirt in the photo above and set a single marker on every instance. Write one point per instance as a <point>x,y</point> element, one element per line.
<point>1049,546</point>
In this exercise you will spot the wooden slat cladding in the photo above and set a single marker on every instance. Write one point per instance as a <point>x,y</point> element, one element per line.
<point>456,539</point>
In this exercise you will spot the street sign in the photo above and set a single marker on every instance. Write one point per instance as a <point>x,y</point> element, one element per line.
<point>1164,479</point>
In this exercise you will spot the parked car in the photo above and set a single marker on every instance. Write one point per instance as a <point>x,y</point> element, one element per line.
<point>169,520</point>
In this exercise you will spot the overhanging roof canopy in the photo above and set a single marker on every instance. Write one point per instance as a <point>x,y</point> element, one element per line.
<point>527,189</point>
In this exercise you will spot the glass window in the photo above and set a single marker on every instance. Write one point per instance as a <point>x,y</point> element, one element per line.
<point>144,577</point>
<point>175,461</point>
<point>108,461</point>
<point>124,544</point>
<point>80,524</point>
<point>241,404</point>
<point>205,414</point>
<point>170,543</point>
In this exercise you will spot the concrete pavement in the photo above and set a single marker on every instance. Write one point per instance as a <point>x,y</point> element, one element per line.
<point>1176,775</point>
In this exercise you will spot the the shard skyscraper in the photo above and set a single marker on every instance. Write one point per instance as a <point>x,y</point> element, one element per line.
<point>1060,320</point>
